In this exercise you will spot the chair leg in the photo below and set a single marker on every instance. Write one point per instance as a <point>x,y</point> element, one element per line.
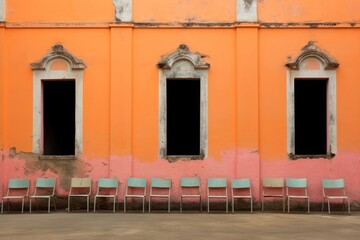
<point>22,205</point>
<point>125,204</point>
<point>49,205</point>
<point>322,205</point>
<point>68,203</point>
<point>262,204</point>
<point>30,205</point>
<point>232,204</point>
<point>95,204</point>
<point>200,203</point>
<point>348,205</point>
<point>169,205</point>
<point>284,200</point>
<point>251,205</point>
<point>288,204</point>
<point>114,204</point>
<point>143,204</point>
<point>208,200</point>
<point>150,204</point>
<point>180,204</point>
<point>329,205</point>
<point>308,202</point>
<point>227,205</point>
<point>88,203</point>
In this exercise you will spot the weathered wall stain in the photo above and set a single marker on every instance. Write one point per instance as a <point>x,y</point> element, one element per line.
<point>64,169</point>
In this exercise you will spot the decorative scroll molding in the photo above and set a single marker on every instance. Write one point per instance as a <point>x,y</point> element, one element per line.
<point>312,50</point>
<point>58,51</point>
<point>183,53</point>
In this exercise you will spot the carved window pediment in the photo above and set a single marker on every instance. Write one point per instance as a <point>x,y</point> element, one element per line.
<point>58,52</point>
<point>311,50</point>
<point>183,53</point>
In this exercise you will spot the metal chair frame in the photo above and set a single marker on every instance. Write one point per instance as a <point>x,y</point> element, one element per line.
<point>190,183</point>
<point>276,184</point>
<point>334,184</point>
<point>138,183</point>
<point>160,183</point>
<point>80,184</point>
<point>45,184</point>
<point>107,183</point>
<point>241,183</point>
<point>217,183</point>
<point>14,186</point>
<point>297,184</point>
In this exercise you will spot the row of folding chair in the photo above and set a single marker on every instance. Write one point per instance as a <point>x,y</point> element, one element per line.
<point>296,188</point>
<point>190,187</point>
<point>18,189</point>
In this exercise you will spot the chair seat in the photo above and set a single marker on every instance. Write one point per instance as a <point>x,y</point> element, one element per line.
<point>108,196</point>
<point>164,196</point>
<point>138,196</point>
<point>281,196</point>
<point>79,195</point>
<point>41,196</point>
<point>246,196</point>
<point>297,196</point>
<point>14,197</point>
<point>337,197</point>
<point>218,196</point>
<point>190,195</point>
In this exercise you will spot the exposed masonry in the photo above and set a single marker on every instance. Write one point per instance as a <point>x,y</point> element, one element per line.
<point>183,64</point>
<point>325,68</point>
<point>2,10</point>
<point>246,11</point>
<point>123,10</point>
<point>42,69</point>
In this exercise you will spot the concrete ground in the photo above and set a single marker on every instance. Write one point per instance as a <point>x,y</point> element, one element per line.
<point>188,225</point>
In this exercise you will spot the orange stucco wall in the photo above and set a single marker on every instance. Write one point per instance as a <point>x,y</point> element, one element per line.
<point>247,103</point>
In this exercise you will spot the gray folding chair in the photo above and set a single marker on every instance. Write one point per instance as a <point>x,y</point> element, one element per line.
<point>45,189</point>
<point>80,187</point>
<point>273,188</point>
<point>334,189</point>
<point>163,185</point>
<point>213,186</point>
<point>296,188</point>
<point>107,188</point>
<point>135,184</point>
<point>190,188</point>
<point>241,184</point>
<point>17,189</point>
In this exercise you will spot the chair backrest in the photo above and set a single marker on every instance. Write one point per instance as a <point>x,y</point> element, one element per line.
<point>190,182</point>
<point>108,183</point>
<point>45,183</point>
<point>81,183</point>
<point>333,183</point>
<point>136,182</point>
<point>240,183</point>
<point>217,183</point>
<point>18,183</point>
<point>296,182</point>
<point>160,183</point>
<point>273,182</point>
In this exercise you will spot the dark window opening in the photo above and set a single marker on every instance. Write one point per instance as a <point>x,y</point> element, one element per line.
<point>59,117</point>
<point>310,117</point>
<point>183,116</point>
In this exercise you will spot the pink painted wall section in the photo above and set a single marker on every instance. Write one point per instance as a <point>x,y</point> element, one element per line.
<point>345,165</point>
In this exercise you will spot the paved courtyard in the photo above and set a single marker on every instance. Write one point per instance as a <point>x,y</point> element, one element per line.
<point>106,225</point>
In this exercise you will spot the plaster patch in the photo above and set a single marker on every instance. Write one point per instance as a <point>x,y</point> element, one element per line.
<point>246,10</point>
<point>123,10</point>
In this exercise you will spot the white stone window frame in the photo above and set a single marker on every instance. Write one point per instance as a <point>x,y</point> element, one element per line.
<point>327,70</point>
<point>42,72</point>
<point>186,65</point>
